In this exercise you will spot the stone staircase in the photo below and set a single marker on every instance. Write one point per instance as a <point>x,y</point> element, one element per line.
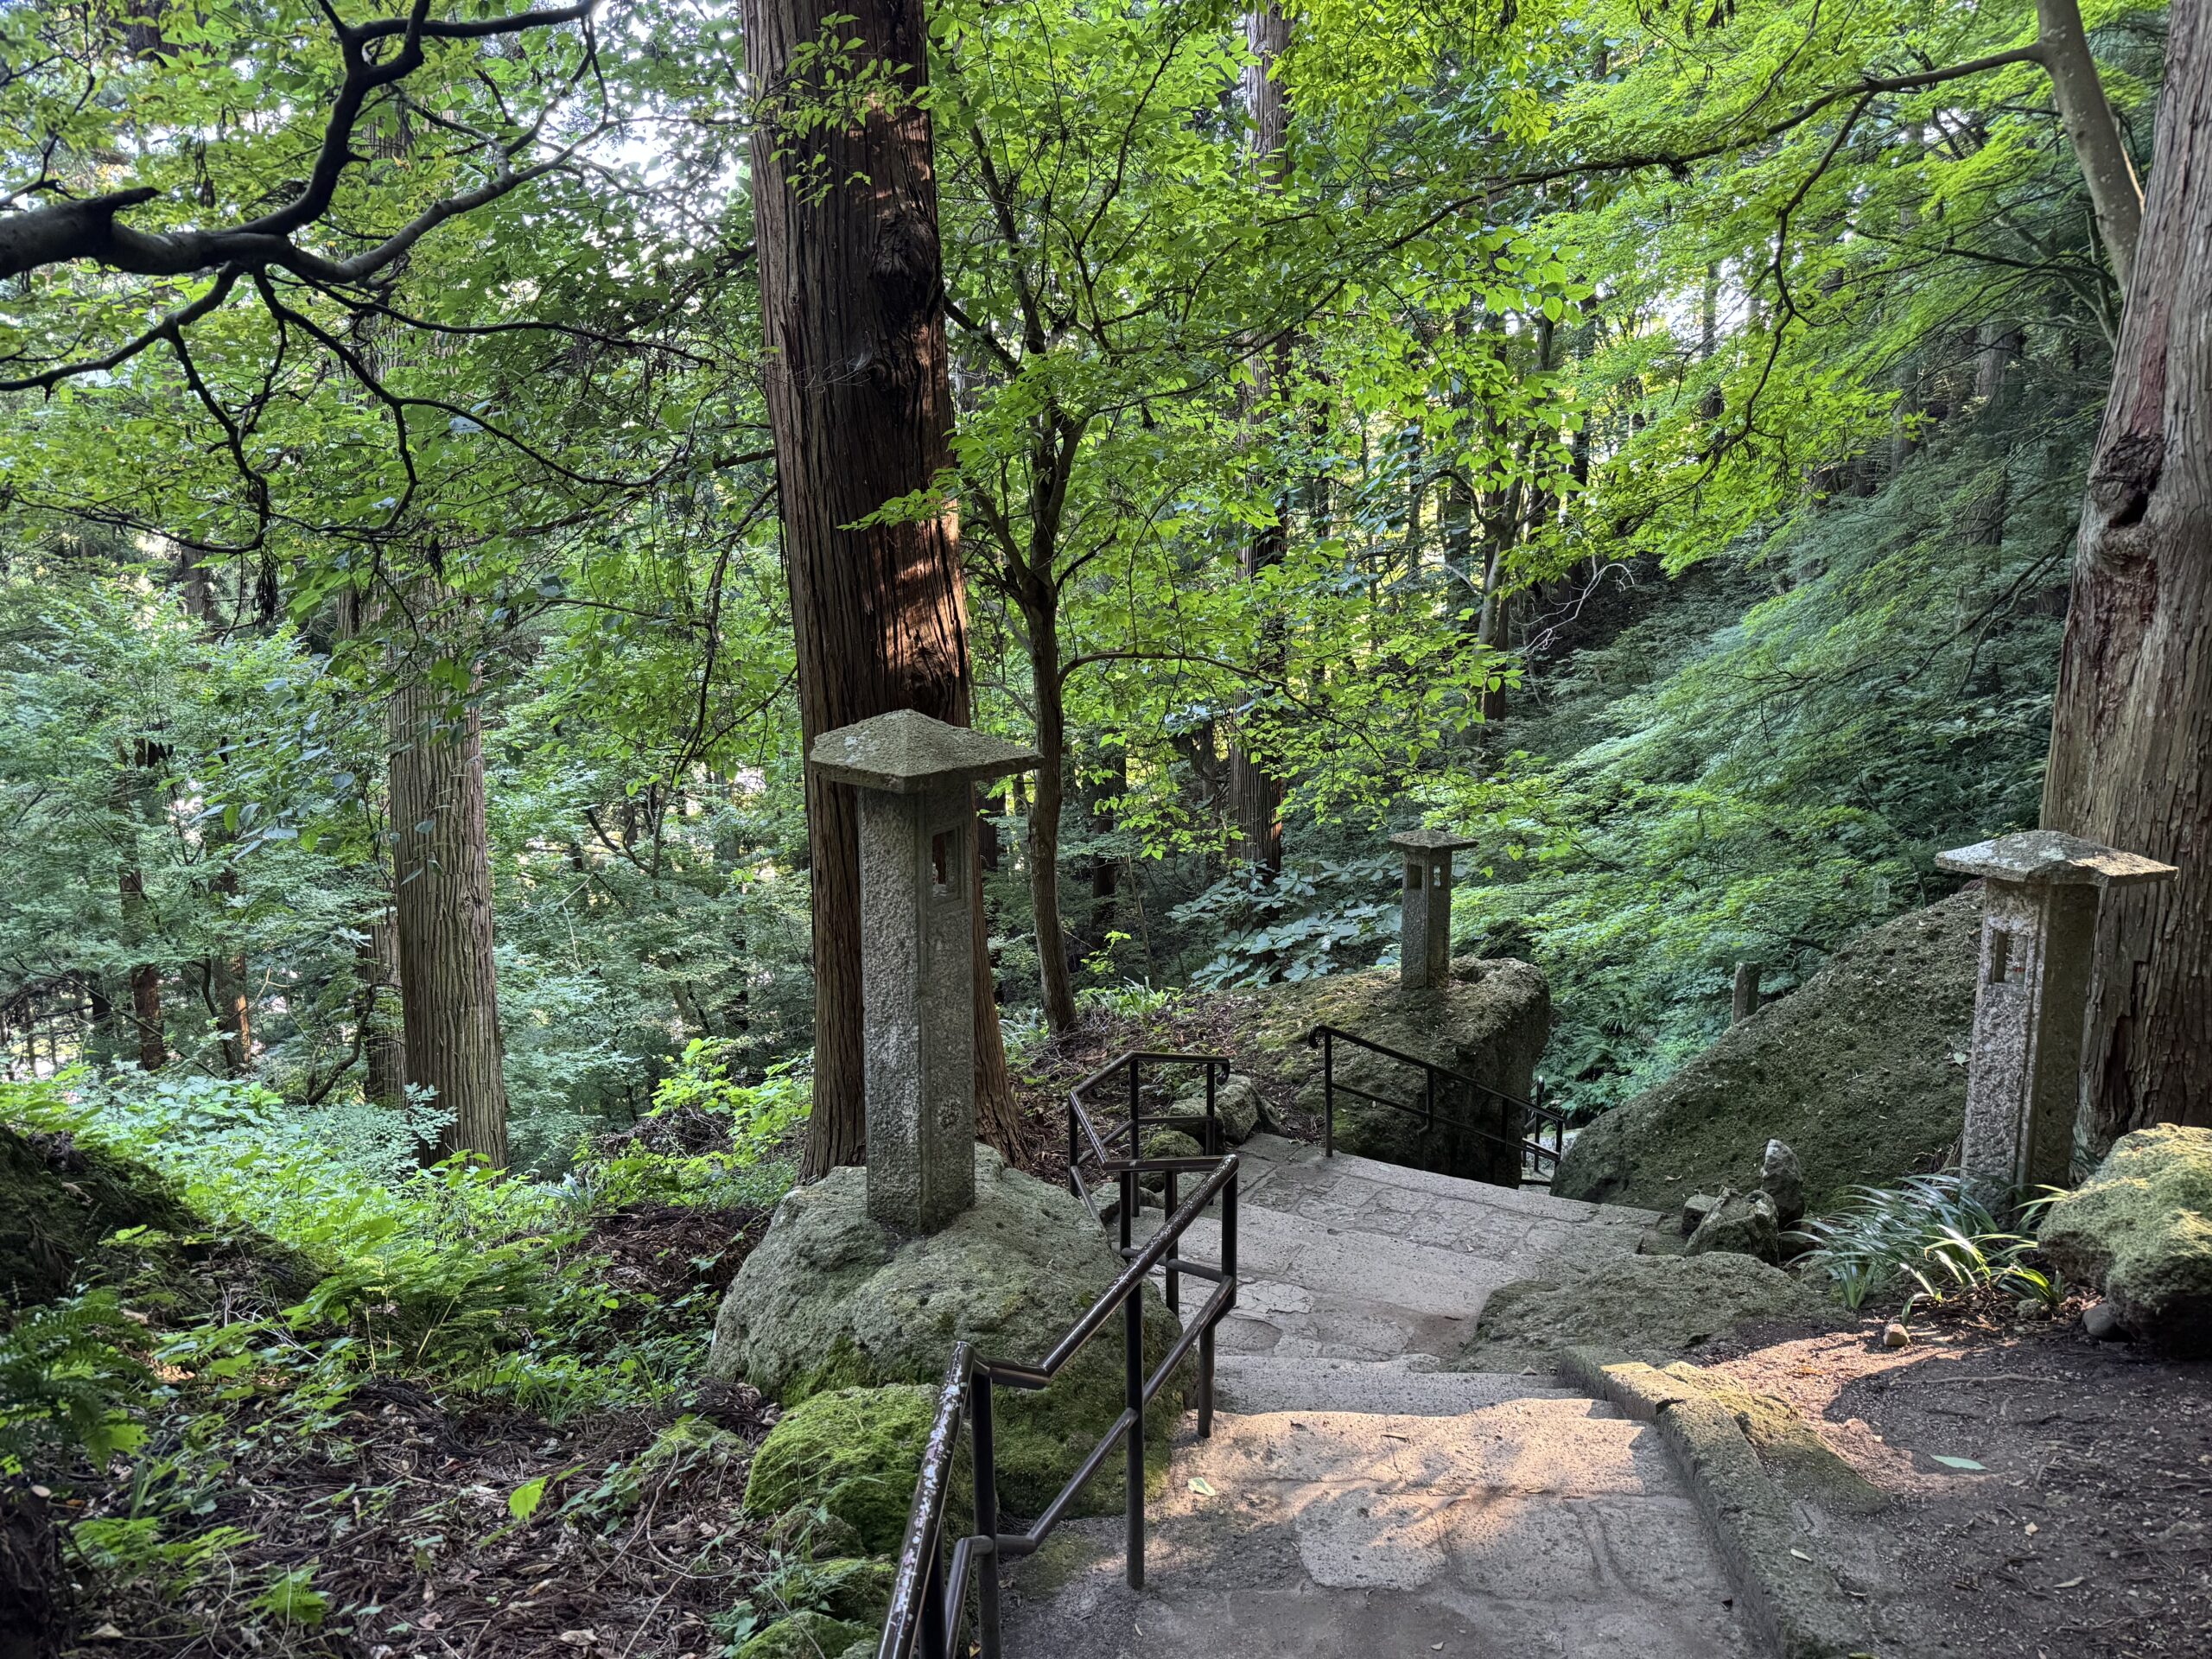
<point>1359,1501</point>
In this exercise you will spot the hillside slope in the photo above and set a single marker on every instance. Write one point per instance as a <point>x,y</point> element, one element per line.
<point>1862,1071</point>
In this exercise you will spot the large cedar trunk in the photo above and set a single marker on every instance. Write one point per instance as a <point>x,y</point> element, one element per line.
<point>1255,794</point>
<point>449,988</point>
<point>2130,752</point>
<point>859,400</point>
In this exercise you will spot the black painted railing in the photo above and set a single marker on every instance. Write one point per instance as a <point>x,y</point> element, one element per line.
<point>929,1595</point>
<point>1126,1073</point>
<point>1535,1157</point>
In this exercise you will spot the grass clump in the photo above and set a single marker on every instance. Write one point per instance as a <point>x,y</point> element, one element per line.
<point>1927,1236</point>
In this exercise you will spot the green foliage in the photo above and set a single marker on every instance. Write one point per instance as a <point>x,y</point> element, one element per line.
<point>1758,763</point>
<point>70,1372</point>
<point>1926,1233</point>
<point>1314,918</point>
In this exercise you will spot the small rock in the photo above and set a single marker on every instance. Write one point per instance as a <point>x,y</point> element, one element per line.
<point>2101,1321</point>
<point>1695,1209</point>
<point>1783,1178</point>
<point>1894,1335</point>
<point>1744,1222</point>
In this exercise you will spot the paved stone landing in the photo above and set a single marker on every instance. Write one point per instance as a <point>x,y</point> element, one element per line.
<point>1356,1501</point>
<point>1348,1258</point>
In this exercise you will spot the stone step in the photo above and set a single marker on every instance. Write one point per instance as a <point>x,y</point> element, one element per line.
<point>1532,1526</point>
<point>1265,1382</point>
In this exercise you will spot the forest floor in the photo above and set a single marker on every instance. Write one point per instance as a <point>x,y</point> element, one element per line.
<point>408,1521</point>
<point>2080,1532</point>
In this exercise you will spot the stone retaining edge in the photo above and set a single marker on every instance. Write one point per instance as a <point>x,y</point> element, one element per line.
<point>1795,1603</point>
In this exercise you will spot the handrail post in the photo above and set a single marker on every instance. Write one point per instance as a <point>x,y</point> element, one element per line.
<point>1136,1138</point>
<point>1213,1125</point>
<point>1205,1337</point>
<point>1074,1150</point>
<point>1174,1280</point>
<point>936,1621</point>
<point>1132,1392</point>
<point>1328,1092</point>
<point>987,1510</point>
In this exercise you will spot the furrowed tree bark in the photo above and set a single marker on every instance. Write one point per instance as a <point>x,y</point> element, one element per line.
<point>2131,751</point>
<point>442,861</point>
<point>2115,193</point>
<point>859,403</point>
<point>1255,794</point>
<point>384,1036</point>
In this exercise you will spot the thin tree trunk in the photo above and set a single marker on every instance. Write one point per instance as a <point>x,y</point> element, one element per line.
<point>231,990</point>
<point>147,1034</point>
<point>1047,804</point>
<point>448,987</point>
<point>2115,193</point>
<point>2130,752</point>
<point>861,407</point>
<point>1255,794</point>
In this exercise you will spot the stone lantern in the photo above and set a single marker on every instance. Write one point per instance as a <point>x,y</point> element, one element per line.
<point>2038,953</point>
<point>1424,936</point>
<point>914,779</point>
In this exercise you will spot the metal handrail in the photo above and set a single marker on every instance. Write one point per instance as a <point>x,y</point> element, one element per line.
<point>1083,1131</point>
<point>929,1601</point>
<point>1533,1151</point>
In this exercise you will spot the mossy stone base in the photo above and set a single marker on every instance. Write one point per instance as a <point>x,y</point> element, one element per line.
<point>1488,1021</point>
<point>832,1300</point>
<point>2142,1227</point>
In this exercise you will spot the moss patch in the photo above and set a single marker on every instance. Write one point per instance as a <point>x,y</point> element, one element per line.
<point>807,1636</point>
<point>1862,1071</point>
<point>2141,1227</point>
<point>853,1454</point>
<point>1787,1444</point>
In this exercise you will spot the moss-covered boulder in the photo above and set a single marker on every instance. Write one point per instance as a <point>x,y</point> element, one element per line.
<point>1169,1143</point>
<point>58,1200</point>
<point>808,1635</point>
<point>1862,1071</point>
<point>2141,1227</point>
<point>831,1299</point>
<point>1238,1106</point>
<point>1655,1308</point>
<point>1488,1021</point>
<point>858,1592</point>
<point>853,1454</point>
